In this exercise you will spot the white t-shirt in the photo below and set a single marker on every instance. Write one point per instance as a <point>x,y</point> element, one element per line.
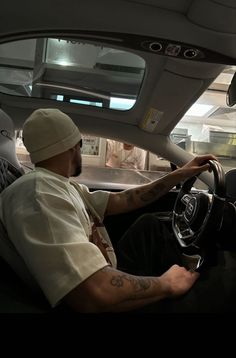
<point>50,220</point>
<point>118,157</point>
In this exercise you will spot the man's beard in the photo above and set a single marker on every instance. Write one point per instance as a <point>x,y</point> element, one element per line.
<point>77,171</point>
<point>78,167</point>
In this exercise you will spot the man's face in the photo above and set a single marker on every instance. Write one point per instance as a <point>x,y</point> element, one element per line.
<point>77,162</point>
<point>128,146</point>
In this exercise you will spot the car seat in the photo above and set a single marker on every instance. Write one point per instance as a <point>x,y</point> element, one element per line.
<point>15,279</point>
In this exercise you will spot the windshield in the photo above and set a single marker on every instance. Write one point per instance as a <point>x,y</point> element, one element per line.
<point>209,126</point>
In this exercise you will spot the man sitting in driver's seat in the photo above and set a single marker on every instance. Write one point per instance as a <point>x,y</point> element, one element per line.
<point>58,228</point>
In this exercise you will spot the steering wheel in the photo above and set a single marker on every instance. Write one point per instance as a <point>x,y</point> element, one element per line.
<point>197,215</point>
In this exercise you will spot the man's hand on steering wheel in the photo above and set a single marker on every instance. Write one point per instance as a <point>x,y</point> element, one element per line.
<point>197,165</point>
<point>197,215</point>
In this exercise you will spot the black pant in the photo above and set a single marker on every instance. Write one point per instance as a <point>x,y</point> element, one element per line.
<point>148,249</point>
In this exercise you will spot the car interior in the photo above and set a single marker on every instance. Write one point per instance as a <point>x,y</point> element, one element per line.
<point>132,71</point>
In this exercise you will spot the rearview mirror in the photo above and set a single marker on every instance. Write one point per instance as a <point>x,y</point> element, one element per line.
<point>231,93</point>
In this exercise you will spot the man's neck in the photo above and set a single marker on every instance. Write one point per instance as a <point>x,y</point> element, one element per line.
<point>60,170</point>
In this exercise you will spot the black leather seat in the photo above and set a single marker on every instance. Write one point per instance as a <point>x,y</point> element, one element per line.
<point>15,295</point>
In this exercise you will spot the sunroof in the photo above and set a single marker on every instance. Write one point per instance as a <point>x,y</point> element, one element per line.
<point>89,74</point>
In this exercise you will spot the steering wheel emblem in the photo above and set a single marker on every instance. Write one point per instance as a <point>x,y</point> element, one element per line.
<point>190,209</point>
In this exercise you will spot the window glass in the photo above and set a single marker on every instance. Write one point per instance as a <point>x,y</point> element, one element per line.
<point>89,74</point>
<point>125,155</point>
<point>93,150</point>
<point>209,126</point>
<point>117,167</point>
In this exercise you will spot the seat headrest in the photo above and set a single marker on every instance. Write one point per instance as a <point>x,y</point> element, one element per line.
<point>7,140</point>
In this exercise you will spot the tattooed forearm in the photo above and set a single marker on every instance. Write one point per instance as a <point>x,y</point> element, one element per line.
<point>130,197</point>
<point>138,283</point>
<point>144,194</point>
<point>152,193</point>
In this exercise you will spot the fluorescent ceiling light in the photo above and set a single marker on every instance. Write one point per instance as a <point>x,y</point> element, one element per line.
<point>199,110</point>
<point>121,103</point>
<point>59,97</point>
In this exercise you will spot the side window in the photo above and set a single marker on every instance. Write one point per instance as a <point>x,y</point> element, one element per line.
<point>21,152</point>
<point>101,152</point>
<point>157,163</point>
<point>131,165</point>
<point>93,150</point>
<point>125,155</point>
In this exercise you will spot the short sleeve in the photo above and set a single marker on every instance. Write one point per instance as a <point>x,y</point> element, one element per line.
<point>52,241</point>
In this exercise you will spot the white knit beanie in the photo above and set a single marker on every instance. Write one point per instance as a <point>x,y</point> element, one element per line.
<point>48,132</point>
